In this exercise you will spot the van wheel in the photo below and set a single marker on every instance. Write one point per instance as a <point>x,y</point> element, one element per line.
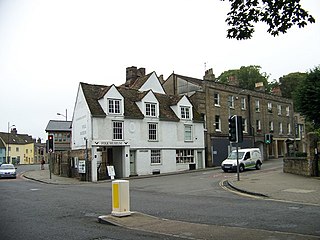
<point>258,165</point>
<point>241,168</point>
<point>225,170</point>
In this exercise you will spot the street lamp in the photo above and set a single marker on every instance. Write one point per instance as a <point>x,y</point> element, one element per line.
<point>66,116</point>
<point>8,156</point>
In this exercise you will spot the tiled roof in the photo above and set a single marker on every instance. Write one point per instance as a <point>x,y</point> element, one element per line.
<point>138,83</point>
<point>58,126</point>
<point>1,143</point>
<point>16,138</point>
<point>94,92</point>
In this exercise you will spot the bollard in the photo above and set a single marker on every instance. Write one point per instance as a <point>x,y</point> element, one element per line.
<point>120,198</point>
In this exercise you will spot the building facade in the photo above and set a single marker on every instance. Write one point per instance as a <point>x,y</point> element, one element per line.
<point>61,130</point>
<point>19,148</point>
<point>262,114</point>
<point>136,128</point>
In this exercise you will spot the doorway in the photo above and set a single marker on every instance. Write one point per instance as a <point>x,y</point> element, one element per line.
<point>133,163</point>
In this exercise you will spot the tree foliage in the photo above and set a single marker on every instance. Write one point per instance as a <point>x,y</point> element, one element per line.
<point>279,15</point>
<point>247,76</point>
<point>307,97</point>
<point>290,82</point>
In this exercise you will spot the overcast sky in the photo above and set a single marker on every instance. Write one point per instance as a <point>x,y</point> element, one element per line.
<point>48,46</point>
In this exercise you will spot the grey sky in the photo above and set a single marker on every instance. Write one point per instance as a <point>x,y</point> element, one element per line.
<point>48,46</point>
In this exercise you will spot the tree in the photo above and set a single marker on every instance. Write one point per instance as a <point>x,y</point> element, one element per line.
<point>290,82</point>
<point>307,97</point>
<point>247,76</point>
<point>279,15</point>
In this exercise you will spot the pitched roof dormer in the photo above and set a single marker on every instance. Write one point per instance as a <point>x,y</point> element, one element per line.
<point>183,109</point>
<point>112,101</point>
<point>149,104</point>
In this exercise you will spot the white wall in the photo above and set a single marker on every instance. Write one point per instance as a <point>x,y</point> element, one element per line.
<point>81,122</point>
<point>153,84</point>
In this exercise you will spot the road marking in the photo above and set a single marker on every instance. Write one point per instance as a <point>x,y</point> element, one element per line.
<point>295,190</point>
<point>34,189</point>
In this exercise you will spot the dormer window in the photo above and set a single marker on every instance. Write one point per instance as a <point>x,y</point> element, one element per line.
<point>151,109</point>
<point>114,106</point>
<point>185,112</point>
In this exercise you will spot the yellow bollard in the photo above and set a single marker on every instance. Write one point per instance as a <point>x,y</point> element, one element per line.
<point>120,198</point>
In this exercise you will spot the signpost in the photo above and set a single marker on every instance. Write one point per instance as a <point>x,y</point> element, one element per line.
<point>236,135</point>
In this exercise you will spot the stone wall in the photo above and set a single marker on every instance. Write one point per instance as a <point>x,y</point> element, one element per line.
<point>63,163</point>
<point>297,165</point>
<point>306,166</point>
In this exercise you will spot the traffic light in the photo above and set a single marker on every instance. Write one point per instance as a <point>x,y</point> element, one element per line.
<point>239,129</point>
<point>50,143</point>
<point>233,128</point>
<point>268,138</point>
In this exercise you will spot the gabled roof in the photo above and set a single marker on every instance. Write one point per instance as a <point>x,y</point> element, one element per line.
<point>138,83</point>
<point>13,138</point>
<point>92,93</point>
<point>165,103</point>
<point>191,79</point>
<point>58,126</point>
<point>131,96</point>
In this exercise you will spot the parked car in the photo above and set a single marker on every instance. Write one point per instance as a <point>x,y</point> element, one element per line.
<point>8,171</point>
<point>248,158</point>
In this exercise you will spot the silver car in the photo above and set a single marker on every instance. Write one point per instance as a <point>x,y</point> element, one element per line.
<point>8,171</point>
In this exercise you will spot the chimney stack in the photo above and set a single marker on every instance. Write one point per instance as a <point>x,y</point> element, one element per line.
<point>260,87</point>
<point>209,75</point>
<point>132,73</point>
<point>14,131</point>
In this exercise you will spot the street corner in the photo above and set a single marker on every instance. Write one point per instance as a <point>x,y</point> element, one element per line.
<point>235,186</point>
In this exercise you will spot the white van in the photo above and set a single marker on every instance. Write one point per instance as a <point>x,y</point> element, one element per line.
<point>248,158</point>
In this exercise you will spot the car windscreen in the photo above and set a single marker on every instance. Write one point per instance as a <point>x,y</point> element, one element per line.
<point>7,167</point>
<point>233,155</point>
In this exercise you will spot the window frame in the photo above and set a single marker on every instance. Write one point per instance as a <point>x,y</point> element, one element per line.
<point>185,112</point>
<point>217,123</point>
<point>280,128</point>
<point>116,135</point>
<point>152,133</point>
<point>184,156</point>
<point>216,99</point>
<point>188,132</point>
<point>151,109</point>
<point>287,111</point>
<point>258,126</point>
<point>114,106</point>
<point>155,157</point>
<point>289,129</point>
<point>245,125</point>
<point>231,101</point>
<point>271,126</point>
<point>269,107</point>
<point>257,105</point>
<point>279,110</point>
<point>243,103</point>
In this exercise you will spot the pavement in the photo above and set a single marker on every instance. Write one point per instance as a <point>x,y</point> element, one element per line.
<point>271,185</point>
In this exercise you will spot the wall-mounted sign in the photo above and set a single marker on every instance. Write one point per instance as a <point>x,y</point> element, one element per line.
<point>109,143</point>
<point>82,166</point>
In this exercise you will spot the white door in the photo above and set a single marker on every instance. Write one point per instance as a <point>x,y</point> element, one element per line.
<point>133,163</point>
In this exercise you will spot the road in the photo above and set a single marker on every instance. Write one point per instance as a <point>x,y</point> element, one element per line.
<point>33,210</point>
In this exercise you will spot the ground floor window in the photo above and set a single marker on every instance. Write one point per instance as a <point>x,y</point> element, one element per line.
<point>155,156</point>
<point>184,156</point>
